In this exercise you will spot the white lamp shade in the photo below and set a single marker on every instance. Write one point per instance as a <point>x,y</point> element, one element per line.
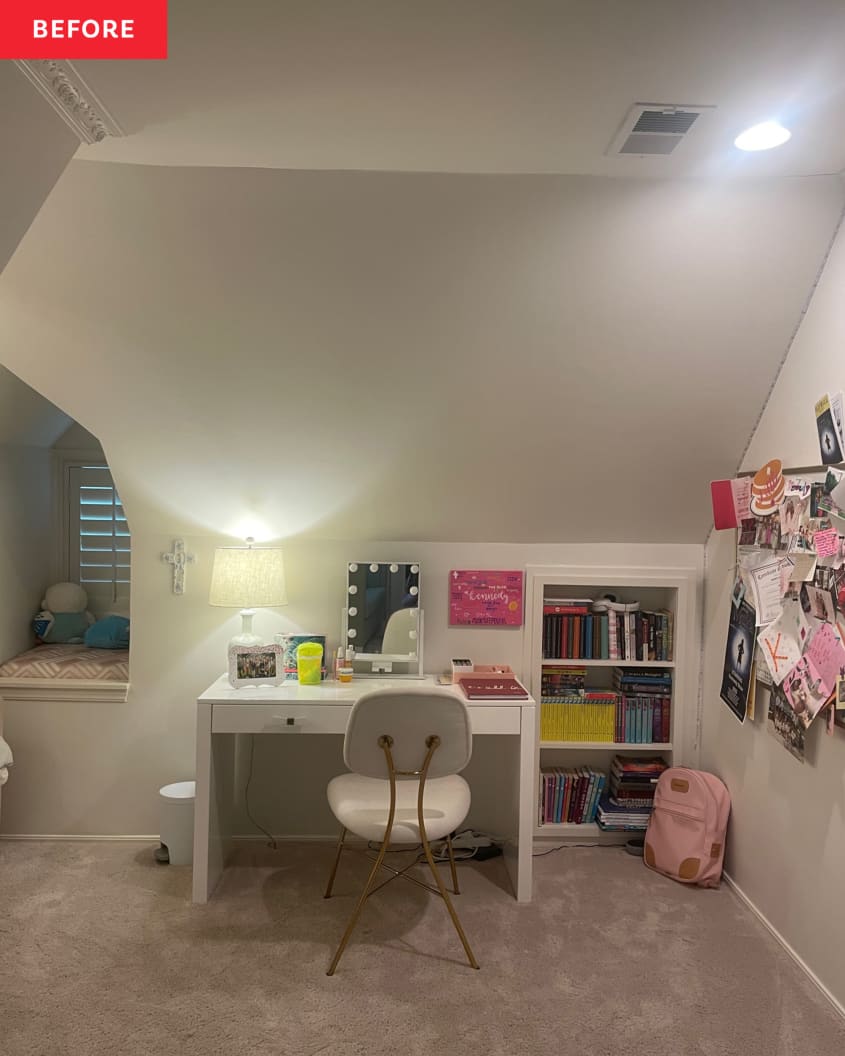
<point>248,577</point>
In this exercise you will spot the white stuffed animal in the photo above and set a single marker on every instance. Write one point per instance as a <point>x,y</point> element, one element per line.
<point>64,616</point>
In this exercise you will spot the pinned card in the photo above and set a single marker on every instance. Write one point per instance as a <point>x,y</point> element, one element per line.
<point>826,542</point>
<point>780,645</point>
<point>766,587</point>
<point>731,501</point>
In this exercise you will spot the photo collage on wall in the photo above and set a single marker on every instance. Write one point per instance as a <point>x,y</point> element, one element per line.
<point>787,619</point>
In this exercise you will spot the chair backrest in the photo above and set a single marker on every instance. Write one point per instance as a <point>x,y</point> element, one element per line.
<point>397,634</point>
<point>409,717</point>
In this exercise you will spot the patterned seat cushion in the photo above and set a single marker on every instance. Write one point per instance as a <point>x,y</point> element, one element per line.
<point>70,662</point>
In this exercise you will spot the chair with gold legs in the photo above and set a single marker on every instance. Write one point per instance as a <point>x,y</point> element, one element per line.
<point>404,750</point>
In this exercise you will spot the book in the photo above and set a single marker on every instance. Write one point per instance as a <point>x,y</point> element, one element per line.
<point>499,688</point>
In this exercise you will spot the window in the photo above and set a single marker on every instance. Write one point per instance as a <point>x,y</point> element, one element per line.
<point>98,538</point>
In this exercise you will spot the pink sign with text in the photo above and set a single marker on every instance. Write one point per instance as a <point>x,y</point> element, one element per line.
<point>485,598</point>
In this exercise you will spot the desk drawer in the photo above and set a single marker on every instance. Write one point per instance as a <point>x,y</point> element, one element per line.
<point>273,718</point>
<point>490,719</point>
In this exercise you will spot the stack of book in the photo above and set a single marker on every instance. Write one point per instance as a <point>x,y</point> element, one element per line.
<point>644,715</point>
<point>562,680</point>
<point>569,795</point>
<point>583,629</point>
<point>629,799</point>
<point>588,716</point>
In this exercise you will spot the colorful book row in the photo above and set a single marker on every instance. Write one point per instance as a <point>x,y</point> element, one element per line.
<point>569,795</point>
<point>614,719</point>
<point>607,636</point>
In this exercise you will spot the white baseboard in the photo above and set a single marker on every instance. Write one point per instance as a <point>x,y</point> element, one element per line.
<point>773,931</point>
<point>87,839</point>
<point>155,838</point>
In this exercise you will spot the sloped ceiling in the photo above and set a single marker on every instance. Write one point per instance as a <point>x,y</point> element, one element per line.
<point>430,357</point>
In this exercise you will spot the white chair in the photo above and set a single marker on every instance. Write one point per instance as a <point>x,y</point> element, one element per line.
<point>405,750</point>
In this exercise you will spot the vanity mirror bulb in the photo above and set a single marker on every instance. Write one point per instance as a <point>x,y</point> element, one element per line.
<point>374,567</point>
<point>414,591</point>
<point>351,633</point>
<point>353,567</point>
<point>353,611</point>
<point>394,568</point>
<point>353,589</point>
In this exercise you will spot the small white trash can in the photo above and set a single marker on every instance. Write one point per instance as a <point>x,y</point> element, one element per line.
<point>177,822</point>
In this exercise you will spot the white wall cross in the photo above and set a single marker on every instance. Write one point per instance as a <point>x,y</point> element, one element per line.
<point>178,558</point>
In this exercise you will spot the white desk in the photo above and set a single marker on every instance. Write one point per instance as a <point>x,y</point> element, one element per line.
<point>292,709</point>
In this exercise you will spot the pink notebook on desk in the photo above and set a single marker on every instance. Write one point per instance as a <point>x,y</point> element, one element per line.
<point>485,688</point>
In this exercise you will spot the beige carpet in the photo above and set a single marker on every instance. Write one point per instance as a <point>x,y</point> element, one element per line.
<point>102,953</point>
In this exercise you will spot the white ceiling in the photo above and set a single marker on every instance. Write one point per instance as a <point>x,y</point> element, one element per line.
<point>498,86</point>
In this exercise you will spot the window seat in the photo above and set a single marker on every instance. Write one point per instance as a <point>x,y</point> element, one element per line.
<point>66,672</point>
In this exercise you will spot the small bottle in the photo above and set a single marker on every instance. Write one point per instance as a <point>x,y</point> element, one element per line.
<point>349,656</point>
<point>338,662</point>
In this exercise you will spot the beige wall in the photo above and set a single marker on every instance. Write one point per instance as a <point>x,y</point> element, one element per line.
<point>97,768</point>
<point>786,847</point>
<point>25,542</point>
<point>36,147</point>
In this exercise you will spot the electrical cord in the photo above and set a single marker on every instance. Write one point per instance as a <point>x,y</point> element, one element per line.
<point>271,842</point>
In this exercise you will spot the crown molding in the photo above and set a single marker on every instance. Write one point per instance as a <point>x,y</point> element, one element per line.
<point>64,88</point>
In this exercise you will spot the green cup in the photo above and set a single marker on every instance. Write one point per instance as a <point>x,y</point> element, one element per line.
<point>309,659</point>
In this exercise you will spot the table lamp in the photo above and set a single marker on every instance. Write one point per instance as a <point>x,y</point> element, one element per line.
<point>247,578</point>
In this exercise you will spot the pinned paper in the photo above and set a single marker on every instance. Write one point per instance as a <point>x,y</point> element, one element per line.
<point>780,645</point>
<point>826,654</point>
<point>803,567</point>
<point>826,542</point>
<point>731,501</point>
<point>767,488</point>
<point>766,588</point>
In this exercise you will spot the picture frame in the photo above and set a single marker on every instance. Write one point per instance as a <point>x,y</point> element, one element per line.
<point>255,665</point>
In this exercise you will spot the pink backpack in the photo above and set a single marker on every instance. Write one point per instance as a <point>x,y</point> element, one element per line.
<point>685,838</point>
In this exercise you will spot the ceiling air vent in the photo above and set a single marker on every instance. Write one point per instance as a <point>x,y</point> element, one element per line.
<point>655,128</point>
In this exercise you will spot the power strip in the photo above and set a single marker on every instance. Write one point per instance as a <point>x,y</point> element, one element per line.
<point>468,840</point>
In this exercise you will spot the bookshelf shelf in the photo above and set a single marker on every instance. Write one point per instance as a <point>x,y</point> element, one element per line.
<point>620,747</point>
<point>662,601</point>
<point>569,662</point>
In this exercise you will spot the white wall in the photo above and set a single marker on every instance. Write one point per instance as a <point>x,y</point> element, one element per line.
<point>25,542</point>
<point>97,768</point>
<point>786,847</point>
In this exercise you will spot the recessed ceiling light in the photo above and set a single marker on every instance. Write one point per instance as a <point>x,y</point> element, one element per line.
<point>764,136</point>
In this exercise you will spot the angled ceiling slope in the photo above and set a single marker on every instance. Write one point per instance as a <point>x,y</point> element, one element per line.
<point>414,356</point>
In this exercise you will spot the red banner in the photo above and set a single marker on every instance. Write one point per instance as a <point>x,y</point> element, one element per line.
<point>83,29</point>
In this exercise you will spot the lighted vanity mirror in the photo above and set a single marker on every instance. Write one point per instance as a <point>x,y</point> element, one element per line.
<point>383,618</point>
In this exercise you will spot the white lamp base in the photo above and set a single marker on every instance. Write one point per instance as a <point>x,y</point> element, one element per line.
<point>246,637</point>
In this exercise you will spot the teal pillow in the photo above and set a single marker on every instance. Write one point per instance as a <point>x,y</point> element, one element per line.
<point>112,632</point>
<point>67,627</point>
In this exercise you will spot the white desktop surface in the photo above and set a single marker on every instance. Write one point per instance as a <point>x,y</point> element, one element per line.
<point>293,709</point>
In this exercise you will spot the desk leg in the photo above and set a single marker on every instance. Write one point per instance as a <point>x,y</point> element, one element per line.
<point>527,806</point>
<point>519,849</point>
<point>212,806</point>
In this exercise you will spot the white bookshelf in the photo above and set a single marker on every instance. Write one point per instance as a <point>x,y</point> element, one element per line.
<point>654,588</point>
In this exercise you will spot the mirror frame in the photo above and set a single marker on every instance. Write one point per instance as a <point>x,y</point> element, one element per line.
<point>383,663</point>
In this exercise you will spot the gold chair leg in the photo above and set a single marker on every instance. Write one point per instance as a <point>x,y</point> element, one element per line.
<point>328,893</point>
<point>455,887</point>
<point>445,896</point>
<point>353,920</point>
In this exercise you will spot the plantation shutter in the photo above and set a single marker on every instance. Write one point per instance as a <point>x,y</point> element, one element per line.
<point>98,536</point>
